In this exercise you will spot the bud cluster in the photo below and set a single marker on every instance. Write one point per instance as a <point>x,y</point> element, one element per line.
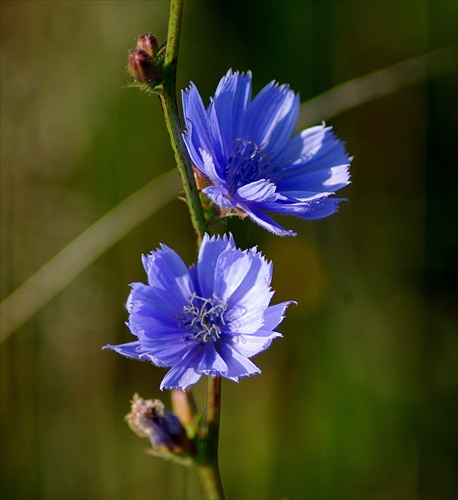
<point>145,62</point>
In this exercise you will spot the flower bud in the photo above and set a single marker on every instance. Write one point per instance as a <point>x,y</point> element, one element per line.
<point>143,67</point>
<point>148,43</point>
<point>184,406</point>
<point>150,419</point>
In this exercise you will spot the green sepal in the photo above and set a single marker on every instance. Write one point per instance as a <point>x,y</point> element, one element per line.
<point>170,457</point>
<point>145,88</point>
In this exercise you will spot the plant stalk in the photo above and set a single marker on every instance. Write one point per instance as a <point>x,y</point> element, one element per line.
<point>208,464</point>
<point>172,119</point>
<point>209,470</point>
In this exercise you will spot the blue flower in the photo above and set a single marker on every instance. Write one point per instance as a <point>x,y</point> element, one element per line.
<point>207,319</point>
<point>245,150</point>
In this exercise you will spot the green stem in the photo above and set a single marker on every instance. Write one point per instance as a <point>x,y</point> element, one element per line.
<point>208,464</point>
<point>211,482</point>
<point>209,470</point>
<point>172,119</point>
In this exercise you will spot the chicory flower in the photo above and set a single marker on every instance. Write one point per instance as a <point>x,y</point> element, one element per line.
<point>207,319</point>
<point>245,150</point>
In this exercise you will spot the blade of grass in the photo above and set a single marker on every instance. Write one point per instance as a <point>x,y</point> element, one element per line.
<point>380,83</point>
<point>57,273</point>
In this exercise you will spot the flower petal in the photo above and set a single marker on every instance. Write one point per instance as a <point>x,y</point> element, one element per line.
<point>320,182</point>
<point>263,220</point>
<point>169,353</point>
<point>275,314</point>
<point>197,135</point>
<point>315,160</point>
<point>218,196</point>
<point>312,209</point>
<point>165,344</point>
<point>130,350</point>
<point>226,112</point>
<point>210,250</point>
<point>181,376</point>
<point>271,117</point>
<point>238,366</point>
<point>232,97</point>
<point>238,274</point>
<point>145,300</point>
<point>212,363</point>
<point>168,274</point>
<point>261,190</point>
<point>250,345</point>
<point>211,169</point>
<point>322,208</point>
<point>243,283</point>
<point>133,350</point>
<point>149,327</point>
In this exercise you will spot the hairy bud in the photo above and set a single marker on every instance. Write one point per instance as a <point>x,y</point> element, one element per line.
<point>148,43</point>
<point>150,419</point>
<point>143,67</point>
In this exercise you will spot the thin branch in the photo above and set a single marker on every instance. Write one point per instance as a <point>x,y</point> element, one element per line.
<point>169,105</point>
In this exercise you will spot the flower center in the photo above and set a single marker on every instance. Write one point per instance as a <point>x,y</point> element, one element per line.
<point>204,318</point>
<point>248,163</point>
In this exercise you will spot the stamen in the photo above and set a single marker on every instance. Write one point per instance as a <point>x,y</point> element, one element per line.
<point>248,163</point>
<point>204,317</point>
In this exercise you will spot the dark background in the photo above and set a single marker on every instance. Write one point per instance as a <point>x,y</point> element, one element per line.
<point>358,400</point>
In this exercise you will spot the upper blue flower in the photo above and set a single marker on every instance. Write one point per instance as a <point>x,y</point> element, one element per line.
<point>245,150</point>
<point>206,319</point>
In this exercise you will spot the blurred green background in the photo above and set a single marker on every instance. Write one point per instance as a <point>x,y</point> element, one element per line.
<point>358,401</point>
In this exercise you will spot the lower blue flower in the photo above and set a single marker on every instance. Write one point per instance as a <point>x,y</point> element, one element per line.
<point>207,319</point>
<point>246,151</point>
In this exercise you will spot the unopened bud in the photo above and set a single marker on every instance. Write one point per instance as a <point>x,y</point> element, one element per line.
<point>143,67</point>
<point>150,419</point>
<point>184,406</point>
<point>148,43</point>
